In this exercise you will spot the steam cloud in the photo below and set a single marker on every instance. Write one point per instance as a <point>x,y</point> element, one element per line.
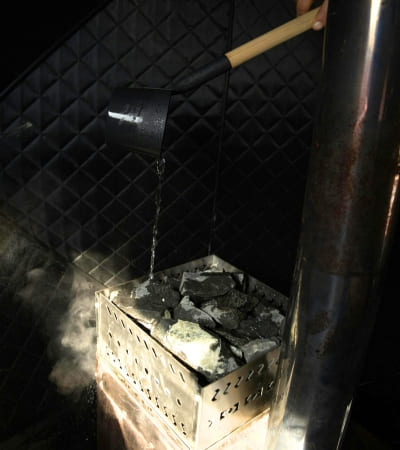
<point>61,300</point>
<point>75,368</point>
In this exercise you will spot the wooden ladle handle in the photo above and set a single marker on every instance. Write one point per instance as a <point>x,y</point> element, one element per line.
<point>283,33</point>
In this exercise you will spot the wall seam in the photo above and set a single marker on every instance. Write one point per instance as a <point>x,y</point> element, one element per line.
<point>224,99</point>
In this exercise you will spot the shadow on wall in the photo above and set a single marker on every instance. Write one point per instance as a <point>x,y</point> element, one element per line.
<point>47,334</point>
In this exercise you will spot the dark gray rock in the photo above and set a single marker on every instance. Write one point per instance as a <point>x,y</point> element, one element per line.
<point>261,311</point>
<point>149,302</point>
<point>234,340</point>
<point>229,318</point>
<point>272,298</point>
<point>266,322</point>
<point>228,360</point>
<point>240,278</point>
<point>233,299</point>
<point>271,316</point>
<point>205,285</point>
<point>186,310</point>
<point>254,328</point>
<point>258,347</point>
<point>159,295</point>
<point>173,281</point>
<point>251,303</point>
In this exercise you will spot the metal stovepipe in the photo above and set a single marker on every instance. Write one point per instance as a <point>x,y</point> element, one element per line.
<point>347,221</point>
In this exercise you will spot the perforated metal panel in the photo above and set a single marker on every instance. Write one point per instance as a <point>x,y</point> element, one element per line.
<point>199,414</point>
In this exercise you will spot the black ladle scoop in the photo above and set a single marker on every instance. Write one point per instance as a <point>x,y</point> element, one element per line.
<point>136,117</point>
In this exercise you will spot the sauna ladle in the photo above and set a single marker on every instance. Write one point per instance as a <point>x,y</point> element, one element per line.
<point>136,117</point>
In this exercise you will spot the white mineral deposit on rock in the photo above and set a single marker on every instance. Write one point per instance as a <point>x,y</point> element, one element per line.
<point>207,319</point>
<point>257,347</point>
<point>141,290</point>
<point>198,348</point>
<point>206,285</point>
<point>186,310</point>
<point>227,317</point>
<point>277,317</point>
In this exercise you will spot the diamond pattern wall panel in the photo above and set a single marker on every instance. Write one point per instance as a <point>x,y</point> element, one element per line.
<point>236,148</point>
<point>267,135</point>
<point>91,204</point>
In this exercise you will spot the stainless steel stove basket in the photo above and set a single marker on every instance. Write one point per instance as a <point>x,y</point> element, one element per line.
<point>200,415</point>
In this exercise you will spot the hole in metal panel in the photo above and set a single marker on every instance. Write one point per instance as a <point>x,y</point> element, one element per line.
<point>130,331</point>
<point>138,338</point>
<point>115,316</point>
<point>154,352</point>
<point>259,393</point>
<point>228,385</point>
<point>215,395</point>
<point>181,375</point>
<point>145,343</point>
<point>122,323</point>
<point>172,368</point>
<point>239,380</point>
<point>183,428</point>
<point>178,402</point>
<point>109,311</point>
<point>146,370</point>
<point>250,375</point>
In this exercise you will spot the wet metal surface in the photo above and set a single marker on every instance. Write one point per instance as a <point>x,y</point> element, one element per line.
<point>348,218</point>
<point>125,421</point>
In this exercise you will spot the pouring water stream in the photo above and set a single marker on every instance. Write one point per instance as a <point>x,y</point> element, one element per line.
<point>160,169</point>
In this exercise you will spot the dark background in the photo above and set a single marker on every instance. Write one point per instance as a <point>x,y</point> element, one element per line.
<point>237,154</point>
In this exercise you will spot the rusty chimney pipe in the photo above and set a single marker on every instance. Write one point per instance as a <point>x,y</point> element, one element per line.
<point>347,221</point>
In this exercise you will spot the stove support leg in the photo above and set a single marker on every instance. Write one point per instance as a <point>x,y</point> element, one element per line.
<point>348,216</point>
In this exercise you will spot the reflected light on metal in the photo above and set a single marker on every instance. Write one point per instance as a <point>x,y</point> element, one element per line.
<point>392,199</point>
<point>348,215</point>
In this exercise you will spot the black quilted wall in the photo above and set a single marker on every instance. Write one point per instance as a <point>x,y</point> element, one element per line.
<point>236,150</point>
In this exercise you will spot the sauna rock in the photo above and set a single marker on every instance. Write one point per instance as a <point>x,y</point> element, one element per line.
<point>206,318</point>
